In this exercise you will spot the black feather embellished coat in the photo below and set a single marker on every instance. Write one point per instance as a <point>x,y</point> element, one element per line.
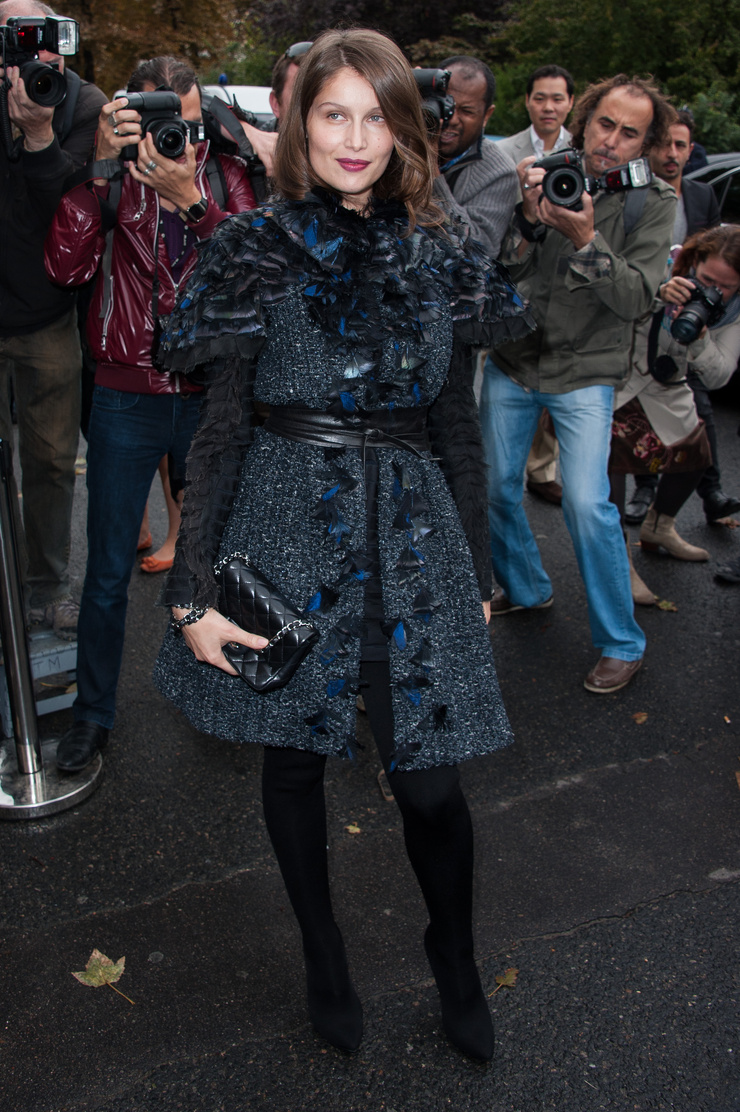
<point>309,304</point>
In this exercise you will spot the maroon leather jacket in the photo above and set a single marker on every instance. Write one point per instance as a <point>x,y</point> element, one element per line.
<point>120,327</point>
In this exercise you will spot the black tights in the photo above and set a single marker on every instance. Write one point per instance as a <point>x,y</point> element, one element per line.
<point>674,489</point>
<point>437,830</point>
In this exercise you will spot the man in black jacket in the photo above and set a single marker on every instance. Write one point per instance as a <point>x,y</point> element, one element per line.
<point>39,343</point>
<point>697,209</point>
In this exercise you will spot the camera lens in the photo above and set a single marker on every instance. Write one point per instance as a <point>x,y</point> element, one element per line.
<point>44,85</point>
<point>689,323</point>
<point>563,187</point>
<point>169,138</point>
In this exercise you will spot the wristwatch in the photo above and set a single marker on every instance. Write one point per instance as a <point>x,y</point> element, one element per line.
<point>196,212</point>
<point>533,233</point>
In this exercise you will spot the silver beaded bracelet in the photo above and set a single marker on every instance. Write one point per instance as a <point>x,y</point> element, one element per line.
<point>192,616</point>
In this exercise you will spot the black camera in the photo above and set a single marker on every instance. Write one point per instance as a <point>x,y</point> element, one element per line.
<point>566,180</point>
<point>703,309</point>
<point>23,37</point>
<point>437,106</point>
<point>160,117</point>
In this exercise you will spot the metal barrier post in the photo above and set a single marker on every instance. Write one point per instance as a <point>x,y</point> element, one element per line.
<point>30,783</point>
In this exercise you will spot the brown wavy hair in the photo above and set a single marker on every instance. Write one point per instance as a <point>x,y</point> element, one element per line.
<point>664,114</point>
<point>722,242</point>
<point>412,167</point>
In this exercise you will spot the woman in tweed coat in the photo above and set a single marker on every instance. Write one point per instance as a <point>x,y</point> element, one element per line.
<point>347,308</point>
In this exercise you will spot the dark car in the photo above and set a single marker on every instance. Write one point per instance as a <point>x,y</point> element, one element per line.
<point>723,173</point>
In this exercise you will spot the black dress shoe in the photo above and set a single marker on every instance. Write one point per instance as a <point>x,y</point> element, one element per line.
<point>79,745</point>
<point>548,492</point>
<point>729,572</point>
<point>640,503</point>
<point>717,504</point>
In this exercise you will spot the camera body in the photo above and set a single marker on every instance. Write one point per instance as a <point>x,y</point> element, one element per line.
<point>703,309</point>
<point>160,117</point>
<point>23,37</point>
<point>437,105</point>
<point>566,180</point>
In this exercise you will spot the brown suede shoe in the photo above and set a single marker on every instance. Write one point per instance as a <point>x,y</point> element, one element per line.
<point>549,492</point>
<point>611,674</point>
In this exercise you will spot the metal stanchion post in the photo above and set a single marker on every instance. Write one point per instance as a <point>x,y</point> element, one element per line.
<point>30,783</point>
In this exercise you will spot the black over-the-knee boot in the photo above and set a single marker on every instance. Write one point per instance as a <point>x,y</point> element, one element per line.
<point>439,840</point>
<point>295,815</point>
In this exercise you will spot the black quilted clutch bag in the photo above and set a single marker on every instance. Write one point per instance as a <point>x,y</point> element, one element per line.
<point>252,602</point>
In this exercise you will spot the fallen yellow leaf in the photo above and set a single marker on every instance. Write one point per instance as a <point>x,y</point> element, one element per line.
<point>640,716</point>
<point>505,980</point>
<point>664,604</point>
<point>353,828</point>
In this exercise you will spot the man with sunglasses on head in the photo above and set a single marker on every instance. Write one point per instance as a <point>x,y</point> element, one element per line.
<point>257,144</point>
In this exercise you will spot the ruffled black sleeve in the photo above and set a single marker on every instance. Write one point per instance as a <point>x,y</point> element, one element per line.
<point>455,435</point>
<point>220,314</point>
<point>487,308</point>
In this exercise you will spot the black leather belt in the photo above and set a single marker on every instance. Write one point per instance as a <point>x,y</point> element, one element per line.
<point>386,428</point>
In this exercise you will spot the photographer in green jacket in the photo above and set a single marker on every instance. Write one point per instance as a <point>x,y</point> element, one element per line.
<point>590,273</point>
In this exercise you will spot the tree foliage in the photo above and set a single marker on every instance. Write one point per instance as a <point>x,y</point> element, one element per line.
<point>286,21</point>
<point>691,48</point>
<point>117,34</point>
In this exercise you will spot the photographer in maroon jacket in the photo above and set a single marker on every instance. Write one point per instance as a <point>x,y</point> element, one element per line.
<point>138,235</point>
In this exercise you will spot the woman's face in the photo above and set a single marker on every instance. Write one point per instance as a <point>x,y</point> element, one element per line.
<point>349,142</point>
<point>715,271</point>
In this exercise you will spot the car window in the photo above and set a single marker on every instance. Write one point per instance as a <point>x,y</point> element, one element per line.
<point>725,180</point>
<point>729,198</point>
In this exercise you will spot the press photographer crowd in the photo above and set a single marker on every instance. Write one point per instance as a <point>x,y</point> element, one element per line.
<point>547,312</point>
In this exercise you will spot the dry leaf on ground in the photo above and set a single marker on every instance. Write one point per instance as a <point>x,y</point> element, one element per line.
<point>505,980</point>
<point>100,970</point>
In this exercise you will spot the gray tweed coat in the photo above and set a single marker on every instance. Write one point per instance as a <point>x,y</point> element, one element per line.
<point>304,303</point>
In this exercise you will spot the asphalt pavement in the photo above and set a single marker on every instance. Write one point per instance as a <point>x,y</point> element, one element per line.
<point>607,874</point>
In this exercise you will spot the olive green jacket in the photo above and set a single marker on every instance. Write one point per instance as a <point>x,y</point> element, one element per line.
<point>586,302</point>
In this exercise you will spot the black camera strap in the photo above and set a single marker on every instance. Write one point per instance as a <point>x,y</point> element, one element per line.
<point>663,368</point>
<point>67,116</point>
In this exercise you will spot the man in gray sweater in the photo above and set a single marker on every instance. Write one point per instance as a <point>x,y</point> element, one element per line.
<point>476,176</point>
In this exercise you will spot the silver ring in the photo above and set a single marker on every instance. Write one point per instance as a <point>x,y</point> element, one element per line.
<point>151,165</point>
<point>527,186</point>
<point>146,171</point>
<point>116,131</point>
<point>112,119</point>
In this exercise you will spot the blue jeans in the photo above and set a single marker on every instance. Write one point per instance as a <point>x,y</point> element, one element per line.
<point>127,437</point>
<point>582,419</point>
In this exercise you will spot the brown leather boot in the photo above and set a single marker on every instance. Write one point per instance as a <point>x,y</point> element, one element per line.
<point>659,531</point>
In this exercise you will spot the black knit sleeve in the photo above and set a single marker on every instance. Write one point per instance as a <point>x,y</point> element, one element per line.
<point>214,465</point>
<point>455,435</point>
